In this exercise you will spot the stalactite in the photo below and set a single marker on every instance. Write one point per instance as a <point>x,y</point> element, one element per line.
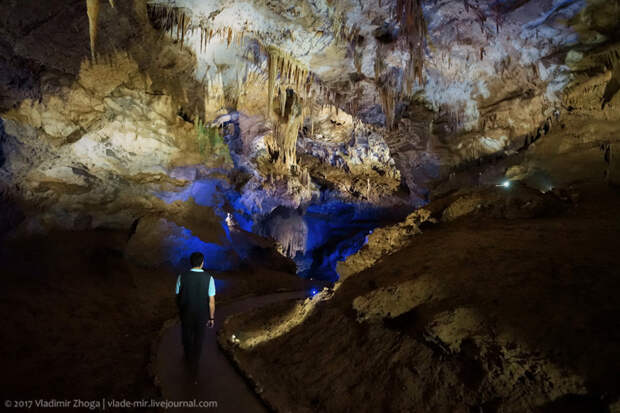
<point>214,95</point>
<point>311,121</point>
<point>296,87</point>
<point>357,60</point>
<point>286,129</point>
<point>413,25</point>
<point>498,16</point>
<point>92,9</point>
<point>282,96</point>
<point>164,17</point>
<point>289,72</point>
<point>202,36</point>
<point>273,68</point>
<point>388,101</point>
<point>285,72</point>
<point>171,17</point>
<point>182,29</point>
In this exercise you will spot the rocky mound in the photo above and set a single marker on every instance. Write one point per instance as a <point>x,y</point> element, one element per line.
<point>478,314</point>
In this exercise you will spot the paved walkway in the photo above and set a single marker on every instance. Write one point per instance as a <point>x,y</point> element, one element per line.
<point>218,380</point>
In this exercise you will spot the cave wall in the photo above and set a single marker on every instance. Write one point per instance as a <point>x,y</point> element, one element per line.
<point>293,105</point>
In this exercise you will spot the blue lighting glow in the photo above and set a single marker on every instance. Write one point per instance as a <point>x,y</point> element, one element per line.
<point>215,193</point>
<point>182,244</point>
<point>335,229</point>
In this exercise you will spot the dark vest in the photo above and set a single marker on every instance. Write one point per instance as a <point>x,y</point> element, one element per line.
<point>194,294</point>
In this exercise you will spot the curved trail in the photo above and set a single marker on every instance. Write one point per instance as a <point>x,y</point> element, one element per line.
<point>218,380</point>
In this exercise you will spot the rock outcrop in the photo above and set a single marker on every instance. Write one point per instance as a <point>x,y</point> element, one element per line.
<point>474,314</point>
<point>382,242</point>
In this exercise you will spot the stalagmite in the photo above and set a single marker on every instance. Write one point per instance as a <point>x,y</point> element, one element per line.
<point>92,9</point>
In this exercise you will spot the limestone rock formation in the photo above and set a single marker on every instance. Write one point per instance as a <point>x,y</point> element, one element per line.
<point>157,242</point>
<point>509,200</point>
<point>369,103</point>
<point>322,137</point>
<point>382,242</point>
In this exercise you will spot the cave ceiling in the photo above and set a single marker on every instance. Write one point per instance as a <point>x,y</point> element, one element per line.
<point>472,54</point>
<point>114,110</point>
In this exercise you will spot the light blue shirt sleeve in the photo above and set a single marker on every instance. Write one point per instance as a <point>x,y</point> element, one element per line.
<point>178,284</point>
<point>211,287</point>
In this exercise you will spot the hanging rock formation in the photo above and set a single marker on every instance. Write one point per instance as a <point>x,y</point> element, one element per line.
<point>92,8</point>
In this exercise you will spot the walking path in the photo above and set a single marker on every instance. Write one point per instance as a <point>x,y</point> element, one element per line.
<point>218,380</point>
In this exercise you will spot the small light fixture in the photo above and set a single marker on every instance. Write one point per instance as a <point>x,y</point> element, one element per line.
<point>506,184</point>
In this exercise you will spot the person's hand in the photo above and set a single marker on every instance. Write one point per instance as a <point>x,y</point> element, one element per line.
<point>210,323</point>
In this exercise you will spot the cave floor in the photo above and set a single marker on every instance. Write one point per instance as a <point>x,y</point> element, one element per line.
<point>217,378</point>
<point>79,320</point>
<point>541,332</point>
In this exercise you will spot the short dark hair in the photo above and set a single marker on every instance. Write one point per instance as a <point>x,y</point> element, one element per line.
<point>196,259</point>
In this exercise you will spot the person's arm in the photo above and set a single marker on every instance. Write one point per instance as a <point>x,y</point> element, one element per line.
<point>212,311</point>
<point>178,290</point>
<point>211,322</point>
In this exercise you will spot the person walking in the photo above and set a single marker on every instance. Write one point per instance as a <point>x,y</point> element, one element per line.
<point>195,292</point>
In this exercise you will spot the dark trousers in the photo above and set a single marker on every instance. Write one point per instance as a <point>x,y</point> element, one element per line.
<point>192,336</point>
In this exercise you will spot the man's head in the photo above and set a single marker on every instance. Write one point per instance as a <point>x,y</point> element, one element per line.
<point>196,259</point>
